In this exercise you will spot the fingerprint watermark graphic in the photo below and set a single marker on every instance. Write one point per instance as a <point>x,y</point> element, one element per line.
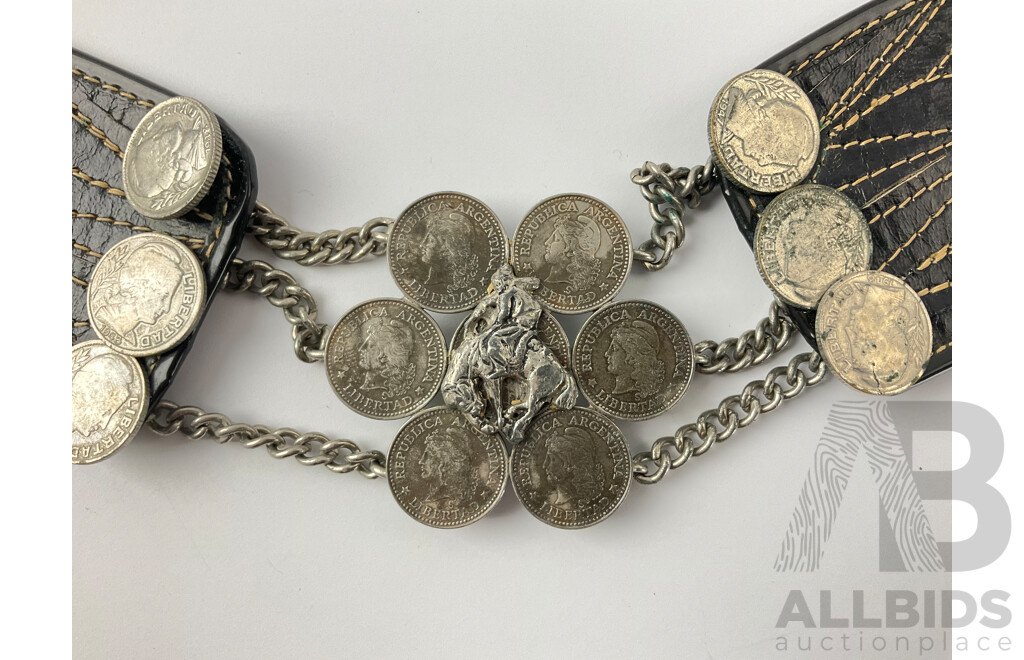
<point>892,615</point>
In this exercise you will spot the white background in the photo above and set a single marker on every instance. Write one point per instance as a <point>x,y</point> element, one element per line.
<point>194,549</point>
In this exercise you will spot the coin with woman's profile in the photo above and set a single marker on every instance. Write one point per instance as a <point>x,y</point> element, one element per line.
<point>874,332</point>
<point>633,359</point>
<point>573,469</point>
<point>385,358</point>
<point>109,399</point>
<point>146,294</point>
<point>763,131</point>
<point>578,247</point>
<point>808,237</point>
<point>443,249</point>
<point>172,158</point>
<point>443,472</point>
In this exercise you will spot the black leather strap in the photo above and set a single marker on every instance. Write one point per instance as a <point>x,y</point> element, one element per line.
<point>106,105</point>
<point>881,82</point>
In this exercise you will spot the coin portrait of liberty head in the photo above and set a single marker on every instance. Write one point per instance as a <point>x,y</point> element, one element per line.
<point>571,252</point>
<point>571,470</point>
<point>385,356</point>
<point>632,358</point>
<point>99,389</point>
<point>138,289</point>
<point>447,250</point>
<point>447,466</point>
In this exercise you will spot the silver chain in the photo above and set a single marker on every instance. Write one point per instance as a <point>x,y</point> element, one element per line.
<point>734,412</point>
<point>281,289</point>
<point>669,191</point>
<point>769,336</point>
<point>329,247</point>
<point>307,448</point>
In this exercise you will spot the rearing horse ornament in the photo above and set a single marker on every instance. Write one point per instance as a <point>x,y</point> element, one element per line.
<point>502,358</point>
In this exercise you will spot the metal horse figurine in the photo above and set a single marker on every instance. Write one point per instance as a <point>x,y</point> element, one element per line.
<point>501,344</point>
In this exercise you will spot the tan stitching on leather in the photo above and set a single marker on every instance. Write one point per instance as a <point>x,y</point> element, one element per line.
<point>79,281</point>
<point>85,121</point>
<point>853,34</point>
<point>895,207</point>
<point>935,289</point>
<point>937,256</point>
<point>829,116</point>
<point>942,348</point>
<point>85,248</point>
<point>79,324</point>
<point>882,100</point>
<point>886,138</point>
<point>112,88</point>
<point>193,242</point>
<point>917,233</point>
<point>96,182</point>
<point>893,165</point>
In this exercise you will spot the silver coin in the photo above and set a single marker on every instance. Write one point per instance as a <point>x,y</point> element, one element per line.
<point>146,294</point>
<point>573,469</point>
<point>578,247</point>
<point>109,399</point>
<point>808,237</point>
<point>385,358</point>
<point>874,332</point>
<point>633,359</point>
<point>172,158</point>
<point>443,472</point>
<point>443,249</point>
<point>764,131</point>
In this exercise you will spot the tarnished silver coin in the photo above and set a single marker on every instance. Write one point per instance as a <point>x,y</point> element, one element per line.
<point>633,359</point>
<point>549,331</point>
<point>385,358</point>
<point>445,473</point>
<point>809,237</point>
<point>146,294</point>
<point>874,332</point>
<point>573,469</point>
<point>172,158</point>
<point>764,131</point>
<point>109,399</point>
<point>578,247</point>
<point>443,250</point>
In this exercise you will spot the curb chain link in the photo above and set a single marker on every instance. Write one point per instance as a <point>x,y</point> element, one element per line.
<point>669,191</point>
<point>734,412</point>
<point>771,334</point>
<point>281,290</point>
<point>330,247</point>
<point>336,455</point>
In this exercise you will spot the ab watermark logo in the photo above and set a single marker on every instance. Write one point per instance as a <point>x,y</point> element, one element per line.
<point>892,621</point>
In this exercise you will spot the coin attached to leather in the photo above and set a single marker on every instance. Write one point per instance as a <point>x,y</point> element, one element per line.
<point>172,158</point>
<point>146,294</point>
<point>109,398</point>
<point>874,332</point>
<point>764,131</point>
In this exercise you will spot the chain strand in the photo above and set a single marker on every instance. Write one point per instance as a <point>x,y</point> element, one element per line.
<point>669,191</point>
<point>329,247</point>
<point>339,456</point>
<point>281,289</point>
<point>769,336</point>
<point>734,412</point>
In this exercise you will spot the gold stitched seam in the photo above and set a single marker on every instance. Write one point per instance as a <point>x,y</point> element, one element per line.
<point>938,350</point>
<point>106,187</point>
<point>85,248</point>
<point>894,165</point>
<point>935,289</point>
<point>895,207</point>
<point>86,122</point>
<point>917,233</point>
<point>937,256</point>
<point>190,240</point>
<point>882,100</point>
<point>887,138</point>
<point>829,116</point>
<point>78,281</point>
<point>112,88</point>
<point>853,34</point>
